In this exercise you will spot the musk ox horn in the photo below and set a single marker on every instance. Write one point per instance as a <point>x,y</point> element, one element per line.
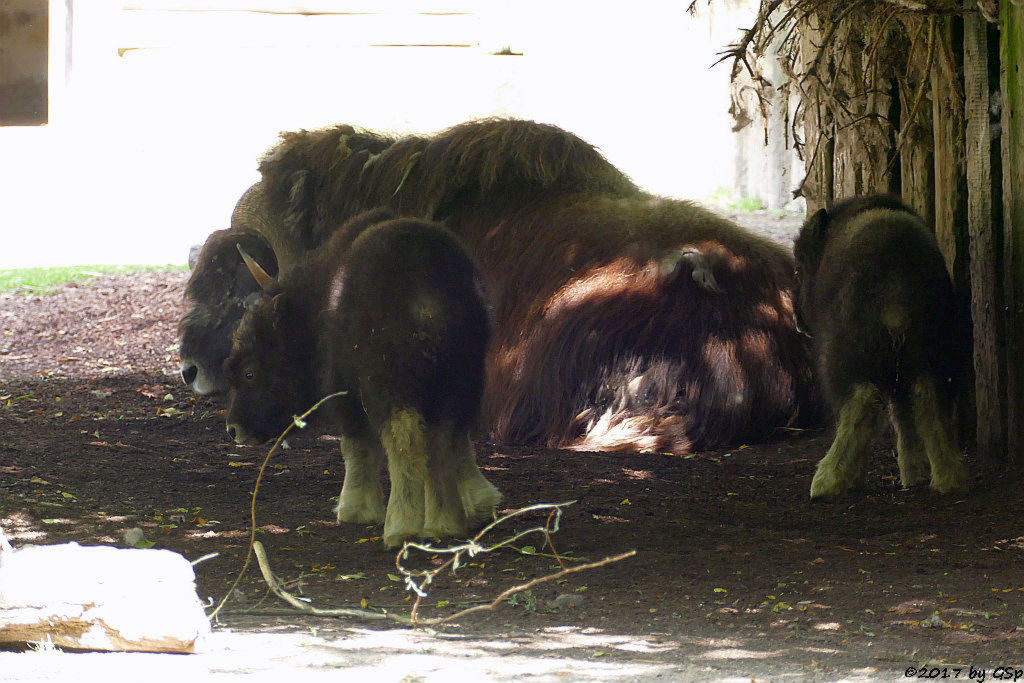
<point>262,279</point>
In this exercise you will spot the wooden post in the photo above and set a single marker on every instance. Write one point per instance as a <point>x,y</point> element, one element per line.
<point>24,37</point>
<point>989,380</point>
<point>1011,83</point>
<point>819,147</point>
<point>950,169</point>
<point>917,159</point>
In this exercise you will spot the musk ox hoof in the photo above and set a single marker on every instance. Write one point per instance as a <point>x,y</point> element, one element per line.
<point>479,498</point>
<point>445,529</point>
<point>368,512</point>
<point>825,484</point>
<point>953,481</point>
<point>395,538</point>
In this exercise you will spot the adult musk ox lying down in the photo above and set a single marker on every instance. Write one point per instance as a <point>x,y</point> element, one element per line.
<point>393,313</point>
<point>875,295</point>
<point>623,320</point>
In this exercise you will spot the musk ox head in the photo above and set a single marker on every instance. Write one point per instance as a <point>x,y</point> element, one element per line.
<point>219,291</point>
<point>269,369</point>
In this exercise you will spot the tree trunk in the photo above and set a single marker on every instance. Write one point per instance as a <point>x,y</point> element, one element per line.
<point>819,147</point>
<point>950,170</point>
<point>917,158</point>
<point>985,279</point>
<point>1011,59</point>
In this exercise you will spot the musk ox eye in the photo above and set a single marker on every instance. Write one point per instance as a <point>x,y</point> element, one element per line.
<point>249,374</point>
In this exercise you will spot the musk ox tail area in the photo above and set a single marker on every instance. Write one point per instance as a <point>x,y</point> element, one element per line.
<point>611,341</point>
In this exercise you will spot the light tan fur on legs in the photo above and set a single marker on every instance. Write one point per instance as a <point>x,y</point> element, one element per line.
<point>361,499</point>
<point>910,452</point>
<point>445,515</point>
<point>478,496</point>
<point>846,461</point>
<point>949,473</point>
<point>404,438</point>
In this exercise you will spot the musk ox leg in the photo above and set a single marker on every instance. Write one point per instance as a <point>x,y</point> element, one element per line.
<point>860,418</point>
<point>444,515</point>
<point>404,438</point>
<point>933,419</point>
<point>910,453</point>
<point>361,499</point>
<point>479,497</point>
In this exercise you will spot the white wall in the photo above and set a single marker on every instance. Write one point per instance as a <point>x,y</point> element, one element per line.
<point>147,152</point>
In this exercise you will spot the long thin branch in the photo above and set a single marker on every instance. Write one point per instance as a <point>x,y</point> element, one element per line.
<point>296,422</point>
<point>530,584</point>
<point>297,603</point>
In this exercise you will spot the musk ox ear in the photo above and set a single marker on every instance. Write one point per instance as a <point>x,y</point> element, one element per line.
<point>265,282</point>
<point>701,267</point>
<point>818,223</point>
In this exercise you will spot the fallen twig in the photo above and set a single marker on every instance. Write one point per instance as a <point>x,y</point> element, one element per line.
<point>296,422</point>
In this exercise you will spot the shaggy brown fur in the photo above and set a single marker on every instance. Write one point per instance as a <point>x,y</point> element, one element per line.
<point>875,295</point>
<point>603,340</point>
<point>393,313</point>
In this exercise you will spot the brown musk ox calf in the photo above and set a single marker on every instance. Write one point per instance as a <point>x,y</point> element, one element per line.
<point>391,312</point>
<point>624,321</point>
<point>875,296</point>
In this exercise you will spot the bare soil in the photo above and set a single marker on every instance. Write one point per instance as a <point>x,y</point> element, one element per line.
<point>737,573</point>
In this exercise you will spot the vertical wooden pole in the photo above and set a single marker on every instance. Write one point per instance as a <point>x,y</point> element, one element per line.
<point>950,168</point>
<point>917,159</point>
<point>1011,83</point>
<point>24,38</point>
<point>819,147</point>
<point>989,362</point>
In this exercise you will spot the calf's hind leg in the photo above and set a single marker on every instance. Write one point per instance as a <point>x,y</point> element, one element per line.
<point>404,437</point>
<point>444,515</point>
<point>477,496</point>
<point>910,451</point>
<point>361,499</point>
<point>860,418</point>
<point>933,419</point>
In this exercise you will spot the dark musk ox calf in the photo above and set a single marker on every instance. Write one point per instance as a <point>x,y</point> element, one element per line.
<point>393,314</point>
<point>875,296</point>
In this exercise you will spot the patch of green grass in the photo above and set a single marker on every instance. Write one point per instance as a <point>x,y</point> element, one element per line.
<point>725,198</point>
<point>34,281</point>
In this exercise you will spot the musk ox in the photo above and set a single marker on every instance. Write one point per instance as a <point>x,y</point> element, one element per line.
<point>392,313</point>
<point>219,290</point>
<point>624,321</point>
<point>875,296</point>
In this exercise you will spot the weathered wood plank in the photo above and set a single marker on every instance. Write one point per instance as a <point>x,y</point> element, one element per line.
<point>1011,82</point>
<point>23,60</point>
<point>229,29</point>
<point>917,159</point>
<point>309,6</point>
<point>950,168</point>
<point>819,149</point>
<point>985,278</point>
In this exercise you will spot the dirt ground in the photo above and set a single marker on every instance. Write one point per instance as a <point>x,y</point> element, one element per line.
<point>737,575</point>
